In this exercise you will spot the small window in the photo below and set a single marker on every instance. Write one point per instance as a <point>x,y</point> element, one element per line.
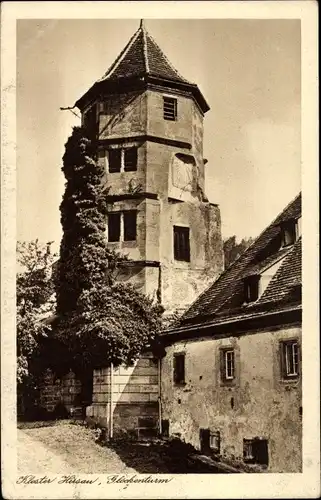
<point>114,160</point>
<point>227,365</point>
<point>255,451</point>
<point>170,108</point>
<point>130,159</point>
<point>289,233</point>
<point>251,288</point>
<point>290,359</point>
<point>165,428</point>
<point>130,223</point>
<point>248,450</point>
<point>179,368</point>
<point>114,226</point>
<point>181,243</point>
<point>215,442</point>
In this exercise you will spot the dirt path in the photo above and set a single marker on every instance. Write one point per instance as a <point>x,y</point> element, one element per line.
<point>65,448</point>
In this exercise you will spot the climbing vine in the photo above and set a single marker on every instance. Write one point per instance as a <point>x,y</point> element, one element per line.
<point>100,320</point>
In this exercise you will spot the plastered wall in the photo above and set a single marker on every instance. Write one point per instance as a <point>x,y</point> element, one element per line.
<point>258,403</point>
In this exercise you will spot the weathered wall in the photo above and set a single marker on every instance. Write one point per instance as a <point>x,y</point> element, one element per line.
<point>134,397</point>
<point>259,403</point>
<point>56,390</point>
<point>124,182</point>
<point>121,115</point>
<point>162,169</point>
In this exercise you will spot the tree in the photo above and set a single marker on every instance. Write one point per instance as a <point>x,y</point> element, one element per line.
<point>35,300</point>
<point>100,321</point>
<point>233,250</point>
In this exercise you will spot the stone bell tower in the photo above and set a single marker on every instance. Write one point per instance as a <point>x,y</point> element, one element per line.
<point>148,120</point>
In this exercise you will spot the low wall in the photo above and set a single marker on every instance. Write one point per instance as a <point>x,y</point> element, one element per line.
<point>133,406</point>
<point>54,390</point>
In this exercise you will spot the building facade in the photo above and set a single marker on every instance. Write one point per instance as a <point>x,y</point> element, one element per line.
<point>231,377</point>
<point>148,123</point>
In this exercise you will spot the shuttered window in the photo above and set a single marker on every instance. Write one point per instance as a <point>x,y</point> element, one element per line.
<point>170,108</point>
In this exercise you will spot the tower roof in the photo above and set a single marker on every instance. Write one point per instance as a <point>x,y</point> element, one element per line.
<point>142,56</point>
<point>142,60</point>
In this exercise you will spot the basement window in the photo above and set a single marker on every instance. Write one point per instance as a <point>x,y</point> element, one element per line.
<point>130,223</point>
<point>179,368</point>
<point>215,442</point>
<point>227,365</point>
<point>170,108</point>
<point>181,243</point>
<point>255,451</point>
<point>290,359</point>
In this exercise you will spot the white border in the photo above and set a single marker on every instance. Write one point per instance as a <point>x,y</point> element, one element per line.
<point>306,484</point>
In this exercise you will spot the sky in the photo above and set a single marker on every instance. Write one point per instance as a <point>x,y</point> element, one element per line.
<point>248,71</point>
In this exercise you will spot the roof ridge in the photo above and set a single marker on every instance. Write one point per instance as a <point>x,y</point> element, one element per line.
<point>166,58</point>
<point>145,54</point>
<point>121,55</point>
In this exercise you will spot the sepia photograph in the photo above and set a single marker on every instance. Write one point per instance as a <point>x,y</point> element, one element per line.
<point>158,263</point>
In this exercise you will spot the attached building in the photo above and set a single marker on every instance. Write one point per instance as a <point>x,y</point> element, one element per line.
<point>231,377</point>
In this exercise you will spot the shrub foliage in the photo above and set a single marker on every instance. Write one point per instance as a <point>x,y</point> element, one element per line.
<point>100,321</point>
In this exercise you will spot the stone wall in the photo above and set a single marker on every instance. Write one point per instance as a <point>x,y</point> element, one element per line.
<point>259,403</point>
<point>65,390</point>
<point>134,401</point>
<point>170,170</point>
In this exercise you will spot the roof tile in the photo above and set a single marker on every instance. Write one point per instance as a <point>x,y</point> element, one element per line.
<point>225,297</point>
<point>142,56</point>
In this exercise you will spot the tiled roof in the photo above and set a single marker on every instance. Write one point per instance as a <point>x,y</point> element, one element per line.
<point>142,56</point>
<point>141,63</point>
<point>225,297</point>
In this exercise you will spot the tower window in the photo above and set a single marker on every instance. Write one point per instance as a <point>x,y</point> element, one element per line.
<point>179,368</point>
<point>122,226</point>
<point>181,243</point>
<point>130,159</point>
<point>114,226</point>
<point>251,288</point>
<point>130,222</point>
<point>114,160</point>
<point>122,160</point>
<point>290,359</point>
<point>227,364</point>
<point>170,108</point>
